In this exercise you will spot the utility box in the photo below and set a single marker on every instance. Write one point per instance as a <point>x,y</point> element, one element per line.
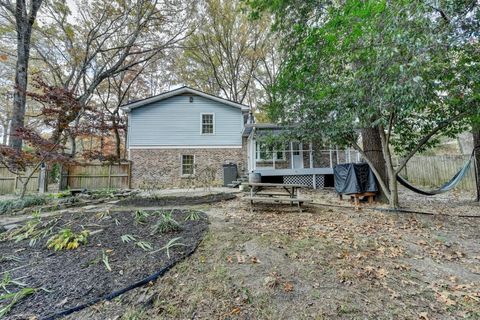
<point>229,173</point>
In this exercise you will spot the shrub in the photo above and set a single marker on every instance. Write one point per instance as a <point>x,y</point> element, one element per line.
<point>67,239</point>
<point>166,223</point>
<point>18,204</point>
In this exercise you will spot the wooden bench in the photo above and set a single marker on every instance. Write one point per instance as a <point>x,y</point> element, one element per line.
<point>292,201</point>
<point>273,194</point>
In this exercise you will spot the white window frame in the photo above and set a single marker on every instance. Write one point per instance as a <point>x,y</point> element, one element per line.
<point>274,153</point>
<point>181,165</point>
<point>201,123</point>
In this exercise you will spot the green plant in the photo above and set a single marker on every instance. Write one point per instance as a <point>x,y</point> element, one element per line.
<point>103,214</point>
<point>67,239</point>
<point>18,204</point>
<point>126,238</point>
<point>170,244</point>
<point>166,223</point>
<point>141,216</point>
<point>105,261</point>
<point>146,246</point>
<point>60,195</point>
<point>34,230</point>
<point>10,258</point>
<point>15,298</point>
<point>8,281</point>
<point>193,216</point>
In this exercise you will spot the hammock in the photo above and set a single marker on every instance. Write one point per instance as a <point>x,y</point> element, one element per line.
<point>457,178</point>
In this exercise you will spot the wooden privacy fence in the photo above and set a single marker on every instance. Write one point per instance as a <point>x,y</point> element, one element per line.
<point>434,171</point>
<point>94,176</point>
<point>9,182</point>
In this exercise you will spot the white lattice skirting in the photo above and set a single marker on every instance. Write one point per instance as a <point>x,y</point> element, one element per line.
<point>306,180</point>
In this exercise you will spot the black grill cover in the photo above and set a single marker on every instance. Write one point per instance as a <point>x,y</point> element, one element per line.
<point>354,178</point>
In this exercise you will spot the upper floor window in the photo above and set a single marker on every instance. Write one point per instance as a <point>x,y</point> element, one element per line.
<point>208,123</point>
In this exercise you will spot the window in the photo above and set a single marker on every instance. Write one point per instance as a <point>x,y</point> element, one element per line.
<point>266,153</point>
<point>280,155</point>
<point>188,164</point>
<point>262,151</point>
<point>208,120</point>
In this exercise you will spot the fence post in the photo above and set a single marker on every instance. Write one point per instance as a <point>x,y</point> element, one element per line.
<point>63,183</point>
<point>109,176</point>
<point>42,178</point>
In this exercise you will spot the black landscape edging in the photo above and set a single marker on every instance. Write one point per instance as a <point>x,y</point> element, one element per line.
<point>117,293</point>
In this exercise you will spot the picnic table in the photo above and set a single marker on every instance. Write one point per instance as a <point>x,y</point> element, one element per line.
<point>275,193</point>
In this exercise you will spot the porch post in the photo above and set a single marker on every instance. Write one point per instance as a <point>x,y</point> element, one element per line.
<point>291,155</point>
<point>331,156</point>
<point>311,156</point>
<point>253,156</point>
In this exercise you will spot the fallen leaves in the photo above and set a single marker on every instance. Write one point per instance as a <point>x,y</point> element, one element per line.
<point>242,259</point>
<point>288,287</point>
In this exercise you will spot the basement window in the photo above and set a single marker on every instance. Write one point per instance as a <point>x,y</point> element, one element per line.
<point>188,164</point>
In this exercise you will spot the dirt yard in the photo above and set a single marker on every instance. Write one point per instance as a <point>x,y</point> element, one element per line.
<point>326,263</point>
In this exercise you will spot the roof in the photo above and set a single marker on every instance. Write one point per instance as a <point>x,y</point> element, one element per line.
<point>271,127</point>
<point>183,90</point>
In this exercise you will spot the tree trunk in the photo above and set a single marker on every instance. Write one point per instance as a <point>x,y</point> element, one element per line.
<point>391,174</point>
<point>118,143</point>
<point>20,90</point>
<point>476,147</point>
<point>372,146</point>
<point>24,20</point>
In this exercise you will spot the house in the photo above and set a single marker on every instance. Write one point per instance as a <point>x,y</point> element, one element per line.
<point>184,136</point>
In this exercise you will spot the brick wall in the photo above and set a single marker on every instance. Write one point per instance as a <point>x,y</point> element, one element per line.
<point>160,168</point>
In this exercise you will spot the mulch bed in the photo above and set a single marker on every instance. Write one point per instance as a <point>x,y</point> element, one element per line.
<point>74,277</point>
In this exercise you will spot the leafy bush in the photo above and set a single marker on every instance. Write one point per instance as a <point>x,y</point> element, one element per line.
<point>166,223</point>
<point>67,239</point>
<point>18,204</point>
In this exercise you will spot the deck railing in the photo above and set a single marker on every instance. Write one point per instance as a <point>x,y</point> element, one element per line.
<point>306,158</point>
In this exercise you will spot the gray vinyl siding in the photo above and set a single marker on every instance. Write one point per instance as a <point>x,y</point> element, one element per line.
<point>177,122</point>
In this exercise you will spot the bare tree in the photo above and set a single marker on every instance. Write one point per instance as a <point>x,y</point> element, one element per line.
<point>107,39</point>
<point>222,56</point>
